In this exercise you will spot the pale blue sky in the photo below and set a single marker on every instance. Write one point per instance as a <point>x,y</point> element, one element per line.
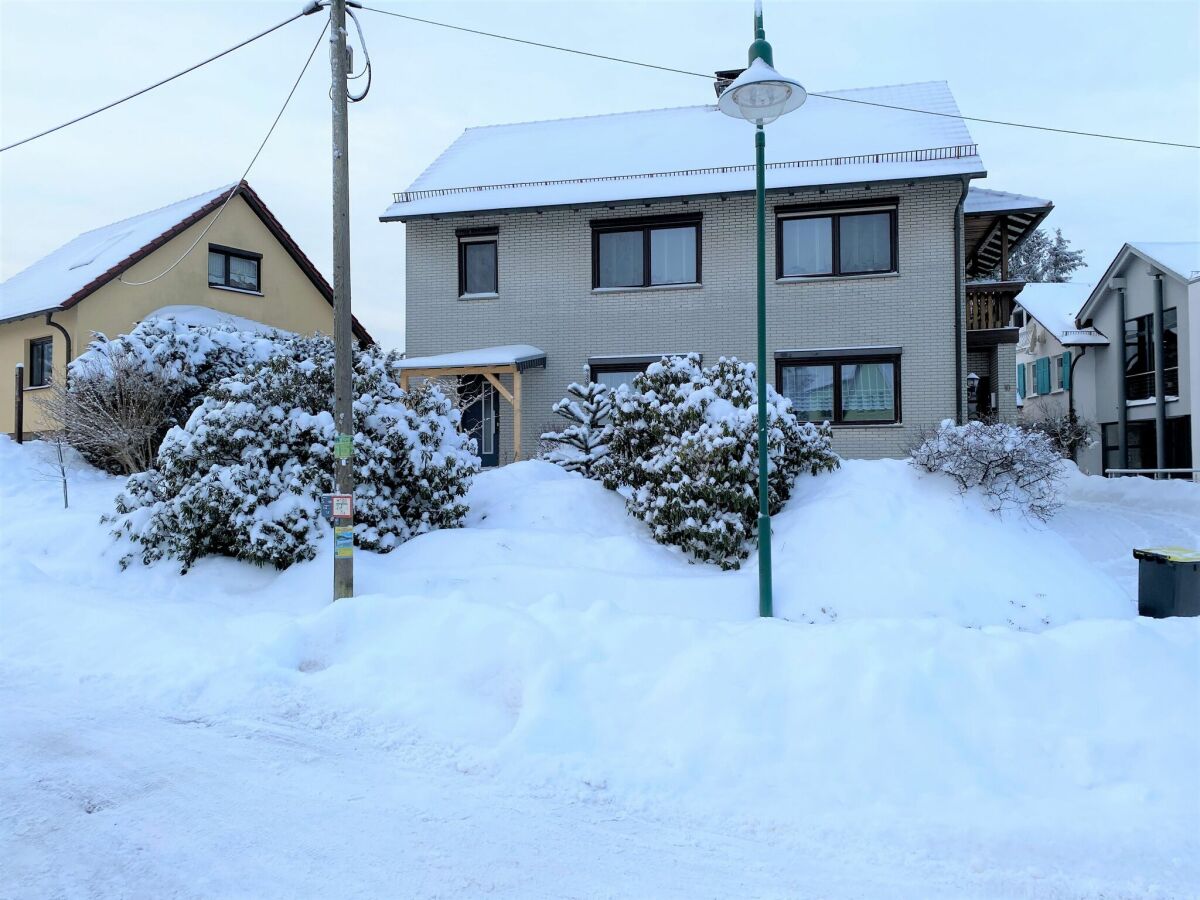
<point>1129,68</point>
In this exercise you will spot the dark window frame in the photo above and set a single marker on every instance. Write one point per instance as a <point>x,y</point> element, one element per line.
<point>835,212</point>
<point>38,371</point>
<point>1142,381</point>
<point>849,360</point>
<point>647,224</point>
<point>227,252</point>
<point>465,236</point>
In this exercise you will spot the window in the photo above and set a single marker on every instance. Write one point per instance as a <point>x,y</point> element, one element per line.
<point>1143,453</point>
<point>812,242</point>
<point>237,269</point>
<point>1139,356</point>
<point>615,371</point>
<point>41,361</point>
<point>633,253</point>
<point>844,391</point>
<point>478,272</point>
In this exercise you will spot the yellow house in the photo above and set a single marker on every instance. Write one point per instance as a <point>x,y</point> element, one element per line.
<point>246,265</point>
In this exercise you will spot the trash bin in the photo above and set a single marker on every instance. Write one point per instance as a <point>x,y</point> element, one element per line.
<point>1168,582</point>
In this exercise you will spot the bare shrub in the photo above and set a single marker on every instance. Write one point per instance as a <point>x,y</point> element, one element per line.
<point>1067,431</point>
<point>115,418</point>
<point>1014,468</point>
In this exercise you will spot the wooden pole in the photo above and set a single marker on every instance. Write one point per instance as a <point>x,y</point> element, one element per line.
<point>20,403</point>
<point>516,404</point>
<point>343,335</point>
<point>1004,248</point>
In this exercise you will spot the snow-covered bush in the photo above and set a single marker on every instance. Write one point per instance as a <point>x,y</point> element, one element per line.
<point>1013,467</point>
<point>1067,431</point>
<point>684,453</point>
<point>243,477</point>
<point>583,445</point>
<point>123,395</point>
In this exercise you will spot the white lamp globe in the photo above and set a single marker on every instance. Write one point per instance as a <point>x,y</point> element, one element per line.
<point>761,95</point>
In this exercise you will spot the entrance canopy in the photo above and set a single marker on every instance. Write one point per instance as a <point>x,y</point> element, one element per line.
<point>488,362</point>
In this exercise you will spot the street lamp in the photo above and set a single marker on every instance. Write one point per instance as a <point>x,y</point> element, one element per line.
<point>761,95</point>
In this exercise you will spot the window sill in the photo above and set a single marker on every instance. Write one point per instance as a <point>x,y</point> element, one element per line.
<point>491,295</point>
<point>691,286</point>
<point>36,387</point>
<point>1150,401</point>
<point>841,425</point>
<point>808,279</point>
<point>234,290</point>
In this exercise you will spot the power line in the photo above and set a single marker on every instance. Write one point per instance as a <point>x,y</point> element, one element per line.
<point>151,87</point>
<point>245,173</point>
<point>706,77</point>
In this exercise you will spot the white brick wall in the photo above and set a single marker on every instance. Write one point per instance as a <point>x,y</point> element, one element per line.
<point>546,299</point>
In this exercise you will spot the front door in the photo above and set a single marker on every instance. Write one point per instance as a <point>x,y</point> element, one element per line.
<point>481,416</point>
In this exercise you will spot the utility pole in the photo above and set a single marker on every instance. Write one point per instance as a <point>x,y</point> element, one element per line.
<point>343,332</point>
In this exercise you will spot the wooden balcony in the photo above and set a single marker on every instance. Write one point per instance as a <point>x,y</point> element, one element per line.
<point>990,304</point>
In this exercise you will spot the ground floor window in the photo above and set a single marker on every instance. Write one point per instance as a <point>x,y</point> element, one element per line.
<point>41,361</point>
<point>615,371</point>
<point>843,390</point>
<point>1140,439</point>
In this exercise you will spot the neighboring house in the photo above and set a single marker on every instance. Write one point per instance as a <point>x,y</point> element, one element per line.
<point>1045,349</point>
<point>595,245</point>
<point>246,265</point>
<point>1143,387</point>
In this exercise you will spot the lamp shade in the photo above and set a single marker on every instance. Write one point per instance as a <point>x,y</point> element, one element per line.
<point>760,94</point>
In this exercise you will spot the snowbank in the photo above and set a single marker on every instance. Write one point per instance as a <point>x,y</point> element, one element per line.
<point>551,646</point>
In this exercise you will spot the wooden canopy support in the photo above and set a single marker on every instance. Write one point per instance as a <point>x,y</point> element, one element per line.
<point>492,375</point>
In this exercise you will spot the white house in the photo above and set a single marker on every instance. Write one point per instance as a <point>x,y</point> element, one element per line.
<point>1045,346</point>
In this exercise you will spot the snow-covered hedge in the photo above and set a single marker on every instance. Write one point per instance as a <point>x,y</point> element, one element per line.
<point>583,445</point>
<point>684,453</point>
<point>123,394</point>
<point>1013,467</point>
<point>244,476</point>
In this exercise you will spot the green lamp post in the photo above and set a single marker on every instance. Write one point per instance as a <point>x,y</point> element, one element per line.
<point>761,95</point>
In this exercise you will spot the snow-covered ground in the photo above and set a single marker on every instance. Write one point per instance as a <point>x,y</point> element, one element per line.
<point>547,704</point>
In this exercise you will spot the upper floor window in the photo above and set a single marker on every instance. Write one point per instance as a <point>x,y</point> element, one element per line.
<point>812,242</point>
<point>1139,356</point>
<point>41,361</point>
<point>632,253</point>
<point>237,269</point>
<point>850,390</point>
<point>478,273</point>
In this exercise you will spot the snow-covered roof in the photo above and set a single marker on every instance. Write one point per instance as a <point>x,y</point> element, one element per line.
<point>53,280</point>
<point>983,200</point>
<point>523,356</point>
<point>695,150</point>
<point>1054,305</point>
<point>1181,257</point>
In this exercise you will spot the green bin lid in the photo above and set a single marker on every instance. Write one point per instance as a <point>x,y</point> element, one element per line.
<point>1168,554</point>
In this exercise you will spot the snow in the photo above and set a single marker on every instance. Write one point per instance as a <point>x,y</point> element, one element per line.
<point>205,316</point>
<point>1054,305</point>
<point>655,153</point>
<point>55,278</point>
<point>545,703</point>
<point>506,355</point>
<point>984,200</point>
<point>1181,257</point>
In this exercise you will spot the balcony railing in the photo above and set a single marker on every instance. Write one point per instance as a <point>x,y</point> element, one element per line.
<point>990,303</point>
<point>1140,386</point>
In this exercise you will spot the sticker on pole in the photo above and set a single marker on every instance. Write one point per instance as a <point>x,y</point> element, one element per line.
<point>343,541</point>
<point>341,506</point>
<point>343,447</point>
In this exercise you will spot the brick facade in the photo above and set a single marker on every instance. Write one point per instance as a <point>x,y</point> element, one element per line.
<point>546,299</point>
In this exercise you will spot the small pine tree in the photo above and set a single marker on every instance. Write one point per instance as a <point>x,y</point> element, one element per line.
<point>1061,260</point>
<point>583,445</point>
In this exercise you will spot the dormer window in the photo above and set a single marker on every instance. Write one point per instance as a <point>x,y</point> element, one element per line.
<point>231,269</point>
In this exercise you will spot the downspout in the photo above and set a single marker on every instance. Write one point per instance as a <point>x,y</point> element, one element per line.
<point>66,339</point>
<point>1122,407</point>
<point>1071,397</point>
<point>1160,399</point>
<point>958,304</point>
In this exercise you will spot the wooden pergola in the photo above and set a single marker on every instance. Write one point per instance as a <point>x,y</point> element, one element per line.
<point>489,363</point>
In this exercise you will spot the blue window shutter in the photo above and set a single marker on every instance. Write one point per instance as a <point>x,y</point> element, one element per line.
<point>1066,371</point>
<point>1021,381</point>
<point>1043,375</point>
